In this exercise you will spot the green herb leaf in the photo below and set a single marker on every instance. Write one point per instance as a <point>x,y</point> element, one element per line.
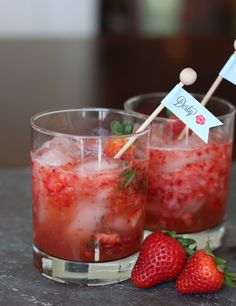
<point>116,128</point>
<point>127,127</point>
<point>127,177</point>
<point>124,128</point>
<point>168,113</point>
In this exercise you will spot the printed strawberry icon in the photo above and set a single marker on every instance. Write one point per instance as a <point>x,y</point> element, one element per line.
<point>161,259</point>
<point>200,119</point>
<point>204,273</point>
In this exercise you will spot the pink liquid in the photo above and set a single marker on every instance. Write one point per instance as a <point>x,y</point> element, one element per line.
<point>187,188</point>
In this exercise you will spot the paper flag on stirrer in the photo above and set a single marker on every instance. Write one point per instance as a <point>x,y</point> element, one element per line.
<point>191,112</point>
<point>228,72</point>
<point>183,105</point>
<point>187,77</point>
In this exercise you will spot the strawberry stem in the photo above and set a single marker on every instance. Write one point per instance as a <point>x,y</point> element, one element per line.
<point>208,249</point>
<point>172,234</point>
<point>185,242</point>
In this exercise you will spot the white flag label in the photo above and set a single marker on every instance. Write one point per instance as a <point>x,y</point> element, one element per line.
<point>228,72</point>
<point>191,112</point>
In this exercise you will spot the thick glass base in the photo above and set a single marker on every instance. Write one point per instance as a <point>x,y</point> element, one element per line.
<point>213,235</point>
<point>81,273</point>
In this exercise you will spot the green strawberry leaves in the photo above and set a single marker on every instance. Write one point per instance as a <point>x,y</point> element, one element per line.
<point>185,242</point>
<point>124,128</point>
<point>229,277</point>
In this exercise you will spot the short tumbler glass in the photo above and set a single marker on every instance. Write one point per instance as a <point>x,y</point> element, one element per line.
<point>188,179</point>
<point>88,207</point>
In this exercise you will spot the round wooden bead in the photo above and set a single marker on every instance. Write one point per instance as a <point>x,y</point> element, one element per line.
<point>188,76</point>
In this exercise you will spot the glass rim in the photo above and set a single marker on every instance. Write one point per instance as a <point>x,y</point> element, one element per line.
<point>231,107</point>
<point>50,132</point>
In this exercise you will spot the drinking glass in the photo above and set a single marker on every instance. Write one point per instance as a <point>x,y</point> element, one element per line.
<point>88,207</point>
<point>188,179</point>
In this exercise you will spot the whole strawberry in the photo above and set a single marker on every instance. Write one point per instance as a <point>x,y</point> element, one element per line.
<point>161,259</point>
<point>204,273</point>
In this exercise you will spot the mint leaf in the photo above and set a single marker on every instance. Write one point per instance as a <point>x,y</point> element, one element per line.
<point>168,113</point>
<point>116,128</point>
<point>127,177</point>
<point>124,128</point>
<point>128,127</point>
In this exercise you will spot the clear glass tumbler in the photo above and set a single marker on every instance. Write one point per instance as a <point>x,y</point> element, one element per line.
<point>88,207</point>
<point>188,180</point>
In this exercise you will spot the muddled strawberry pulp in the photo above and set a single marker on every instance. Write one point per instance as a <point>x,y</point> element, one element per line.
<point>87,208</point>
<point>188,183</point>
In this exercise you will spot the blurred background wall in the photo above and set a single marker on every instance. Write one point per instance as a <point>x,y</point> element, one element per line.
<point>49,18</point>
<point>89,18</point>
<point>76,53</point>
<point>165,18</point>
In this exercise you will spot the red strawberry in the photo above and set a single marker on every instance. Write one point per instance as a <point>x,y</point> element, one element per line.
<point>204,273</point>
<point>113,146</point>
<point>161,259</point>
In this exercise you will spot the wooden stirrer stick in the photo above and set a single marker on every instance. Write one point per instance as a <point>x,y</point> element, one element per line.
<point>208,95</point>
<point>187,77</point>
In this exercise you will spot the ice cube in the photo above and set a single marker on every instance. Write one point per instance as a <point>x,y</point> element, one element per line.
<point>179,153</point>
<point>58,151</point>
<point>190,142</point>
<point>88,215</point>
<point>69,147</point>
<point>120,224</point>
<point>93,165</point>
<point>176,160</point>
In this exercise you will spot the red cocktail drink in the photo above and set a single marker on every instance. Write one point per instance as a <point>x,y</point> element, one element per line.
<point>188,178</point>
<point>87,211</point>
<point>188,184</point>
<point>88,206</point>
